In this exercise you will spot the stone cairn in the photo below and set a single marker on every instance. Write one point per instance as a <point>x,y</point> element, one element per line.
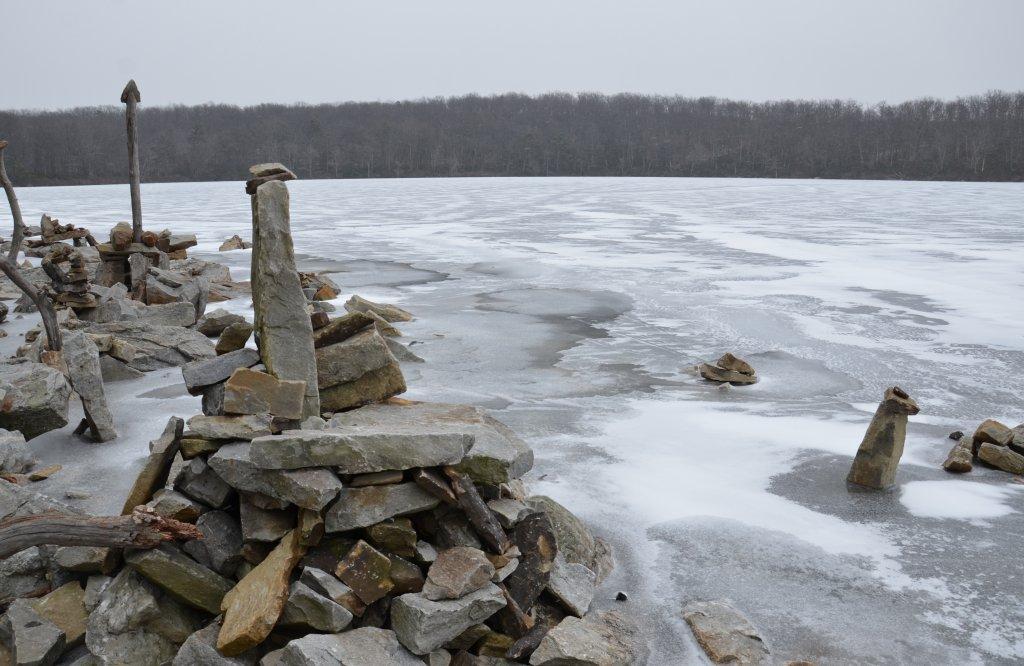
<point>51,232</point>
<point>70,287</point>
<point>879,454</point>
<point>728,370</point>
<point>339,524</point>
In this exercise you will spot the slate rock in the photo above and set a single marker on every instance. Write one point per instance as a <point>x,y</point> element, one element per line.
<point>65,608</point>
<point>993,432</point>
<point>234,337</point>
<point>341,328</point>
<point>146,347</point>
<point>157,466</point>
<point>324,583</point>
<point>367,571</point>
<point>251,392</point>
<point>362,507</point>
<point>349,360</point>
<point>601,639</point>
<point>35,398</point>
<point>269,525</point>
<point>725,634</point>
<point>214,322</point>
<point>389,313</point>
<point>120,628</point>
<point>114,370</point>
<point>208,371</point>
<point>196,480</point>
<point>308,609</point>
<point>374,386</point>
<point>83,363</point>
<point>960,458</point>
<point>395,535</point>
<point>497,455</point>
<point>366,646</point>
<point>1001,457</point>
<point>242,427</point>
<point>281,323</point>
<point>509,511</point>
<point>457,572</point>
<point>423,625</point>
<point>880,451</point>
<point>574,540</point>
<point>36,641</point>
<point>200,649</point>
<point>181,576</point>
<point>85,559</point>
<point>308,488</point>
<point>220,547</point>
<point>172,504</point>
<point>573,585</point>
<point>356,449</point>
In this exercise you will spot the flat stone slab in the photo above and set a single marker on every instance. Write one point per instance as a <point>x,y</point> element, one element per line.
<point>242,427</point>
<point>182,577</point>
<point>208,371</point>
<point>308,488</point>
<point>497,455</point>
<point>250,392</point>
<point>362,449</point>
<point>423,625</point>
<point>362,507</point>
<point>365,646</point>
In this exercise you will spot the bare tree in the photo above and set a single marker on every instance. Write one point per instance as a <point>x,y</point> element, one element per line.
<point>18,235</point>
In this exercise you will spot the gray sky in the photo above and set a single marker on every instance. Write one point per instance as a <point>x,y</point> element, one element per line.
<point>81,52</point>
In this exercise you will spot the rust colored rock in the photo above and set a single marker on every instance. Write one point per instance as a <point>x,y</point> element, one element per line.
<point>993,432</point>
<point>253,607</point>
<point>252,392</point>
<point>367,571</point>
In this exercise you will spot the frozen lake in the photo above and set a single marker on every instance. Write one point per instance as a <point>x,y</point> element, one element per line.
<point>574,308</point>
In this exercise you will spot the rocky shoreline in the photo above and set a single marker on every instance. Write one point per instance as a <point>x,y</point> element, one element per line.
<point>333,522</point>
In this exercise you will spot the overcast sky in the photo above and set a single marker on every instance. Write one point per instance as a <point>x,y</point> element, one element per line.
<point>81,52</point>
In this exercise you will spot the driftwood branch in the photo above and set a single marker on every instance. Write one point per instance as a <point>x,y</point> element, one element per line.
<point>142,529</point>
<point>42,301</point>
<point>19,224</point>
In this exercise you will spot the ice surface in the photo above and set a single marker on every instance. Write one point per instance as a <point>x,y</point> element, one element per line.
<point>575,309</point>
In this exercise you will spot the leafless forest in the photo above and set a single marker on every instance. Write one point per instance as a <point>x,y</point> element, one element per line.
<point>971,138</point>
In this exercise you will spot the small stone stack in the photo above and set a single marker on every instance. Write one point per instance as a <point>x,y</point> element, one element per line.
<point>127,262</point>
<point>728,369</point>
<point>70,287</point>
<point>51,231</point>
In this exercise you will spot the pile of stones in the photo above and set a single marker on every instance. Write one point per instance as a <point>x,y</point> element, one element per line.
<point>69,286</point>
<point>52,233</point>
<point>992,443</point>
<point>728,370</point>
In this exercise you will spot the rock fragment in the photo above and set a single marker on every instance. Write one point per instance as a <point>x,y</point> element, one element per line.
<point>573,585</point>
<point>251,392</point>
<point>728,369</point>
<point>389,313</point>
<point>157,466</point>
<point>197,481</point>
<point>457,572</point>
<point>366,646</point>
<point>308,609</point>
<point>35,398</point>
<point>206,372</point>
<point>36,641</point>
<point>960,458</point>
<point>15,456</point>
<point>200,649</point>
<point>308,488</point>
<point>725,634</point>
<point>83,363</point>
<point>1001,457</point>
<point>362,507</point>
<point>233,338</point>
<point>214,322</point>
<point>181,576</point>
<point>241,427</point>
<point>367,571</point>
<point>993,432</point>
<point>423,625</point>
<point>601,639</point>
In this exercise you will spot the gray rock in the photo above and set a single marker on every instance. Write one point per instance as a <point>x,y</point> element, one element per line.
<point>83,362</point>
<point>234,337</point>
<point>366,646</point>
<point>214,322</point>
<point>35,398</point>
<point>725,634</point>
<point>509,511</point>
<point>324,583</point>
<point>281,323</point>
<point>213,400</point>
<point>147,347</point>
<point>114,370</point>
<point>601,639</point>
<point>498,455</point>
<point>167,314</point>
<point>181,576</point>
<point>172,504</point>
<point>200,649</point>
<point>84,559</point>
<point>389,313</point>
<point>264,525</point>
<point>425,552</point>
<point>401,352</point>
<point>94,588</point>
<point>879,454</point>
<point>23,573</point>
<point>457,572</point>
<point>423,625</point>
<point>575,542</point>
<point>251,392</point>
<point>375,386</point>
<point>1001,457</point>
<point>221,545</point>
<point>35,640</point>
<point>350,359</point>
<point>198,481</point>
<point>573,585</point>
<point>216,369</point>
<point>362,507</point>
<point>308,488</point>
<point>119,630</point>
<point>308,609</point>
<point>359,449</point>
<point>14,454</point>
<point>242,427</point>
<point>164,286</point>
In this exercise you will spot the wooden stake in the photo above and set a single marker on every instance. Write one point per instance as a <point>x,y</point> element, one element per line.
<point>130,97</point>
<point>19,224</point>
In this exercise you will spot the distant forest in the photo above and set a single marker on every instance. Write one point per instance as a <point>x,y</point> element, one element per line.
<point>972,138</point>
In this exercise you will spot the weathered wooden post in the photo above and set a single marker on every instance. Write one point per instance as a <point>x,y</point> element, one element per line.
<point>19,224</point>
<point>130,97</point>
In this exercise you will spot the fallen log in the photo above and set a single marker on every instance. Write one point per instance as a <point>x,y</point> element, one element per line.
<point>142,529</point>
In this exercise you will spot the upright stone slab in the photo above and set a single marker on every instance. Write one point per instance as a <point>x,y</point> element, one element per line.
<point>880,451</point>
<point>282,324</point>
<point>83,363</point>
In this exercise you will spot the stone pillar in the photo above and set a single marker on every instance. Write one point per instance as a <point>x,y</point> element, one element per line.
<point>282,325</point>
<point>880,452</point>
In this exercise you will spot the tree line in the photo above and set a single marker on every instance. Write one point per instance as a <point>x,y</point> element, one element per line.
<point>970,138</point>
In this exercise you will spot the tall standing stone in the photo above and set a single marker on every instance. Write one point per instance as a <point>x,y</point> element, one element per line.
<point>283,329</point>
<point>880,452</point>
